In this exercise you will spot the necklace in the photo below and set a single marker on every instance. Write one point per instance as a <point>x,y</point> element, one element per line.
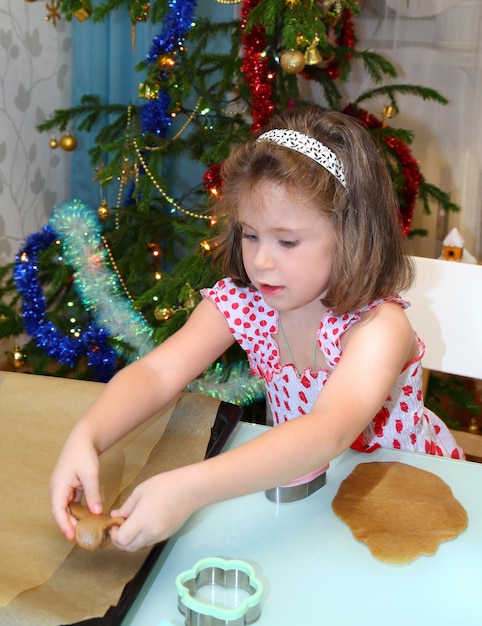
<point>290,352</point>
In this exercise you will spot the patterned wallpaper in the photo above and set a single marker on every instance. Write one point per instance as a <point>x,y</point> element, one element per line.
<point>35,79</point>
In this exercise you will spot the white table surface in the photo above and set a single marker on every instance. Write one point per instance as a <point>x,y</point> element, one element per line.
<point>314,571</point>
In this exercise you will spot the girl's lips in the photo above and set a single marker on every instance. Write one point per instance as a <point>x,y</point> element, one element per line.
<point>270,290</point>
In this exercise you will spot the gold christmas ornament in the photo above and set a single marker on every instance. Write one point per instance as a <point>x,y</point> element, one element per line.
<point>68,142</point>
<point>191,300</point>
<point>388,112</point>
<point>84,12</point>
<point>292,61</point>
<point>103,210</point>
<point>163,313</point>
<point>16,358</point>
<point>53,143</point>
<point>53,12</point>
<point>82,15</point>
<point>312,54</point>
<point>148,90</point>
<point>473,426</point>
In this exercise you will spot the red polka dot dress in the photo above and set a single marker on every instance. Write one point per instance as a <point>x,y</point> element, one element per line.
<point>401,423</point>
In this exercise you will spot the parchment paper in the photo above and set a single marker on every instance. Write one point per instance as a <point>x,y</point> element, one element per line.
<point>44,580</point>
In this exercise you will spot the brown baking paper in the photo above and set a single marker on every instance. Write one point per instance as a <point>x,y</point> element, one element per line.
<point>48,581</point>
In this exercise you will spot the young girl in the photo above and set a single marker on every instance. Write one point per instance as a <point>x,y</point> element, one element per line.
<point>314,257</point>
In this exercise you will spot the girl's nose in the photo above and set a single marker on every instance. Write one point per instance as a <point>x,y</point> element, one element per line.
<point>263,259</point>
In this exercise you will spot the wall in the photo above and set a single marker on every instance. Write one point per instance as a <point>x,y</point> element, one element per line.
<point>35,78</point>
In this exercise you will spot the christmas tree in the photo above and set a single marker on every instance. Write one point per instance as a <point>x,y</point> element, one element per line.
<point>100,286</point>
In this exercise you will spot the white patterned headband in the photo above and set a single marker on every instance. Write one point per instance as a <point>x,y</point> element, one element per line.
<point>308,146</point>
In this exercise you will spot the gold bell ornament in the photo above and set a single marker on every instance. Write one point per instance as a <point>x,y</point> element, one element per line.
<point>292,61</point>
<point>312,54</point>
<point>191,299</point>
<point>16,358</point>
<point>68,142</point>
<point>388,112</point>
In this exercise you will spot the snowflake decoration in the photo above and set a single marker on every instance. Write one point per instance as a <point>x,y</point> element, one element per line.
<point>52,12</point>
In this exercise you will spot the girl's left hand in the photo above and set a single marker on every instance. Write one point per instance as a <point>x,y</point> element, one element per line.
<point>154,511</point>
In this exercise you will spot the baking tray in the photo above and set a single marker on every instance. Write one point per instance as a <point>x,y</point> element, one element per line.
<point>227,416</point>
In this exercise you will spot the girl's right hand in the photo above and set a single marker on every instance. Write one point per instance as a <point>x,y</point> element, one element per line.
<point>75,474</point>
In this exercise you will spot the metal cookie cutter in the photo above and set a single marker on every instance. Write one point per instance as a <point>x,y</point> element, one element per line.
<point>298,489</point>
<point>232,574</point>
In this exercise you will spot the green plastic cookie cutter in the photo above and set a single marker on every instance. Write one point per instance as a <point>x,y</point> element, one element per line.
<point>230,574</point>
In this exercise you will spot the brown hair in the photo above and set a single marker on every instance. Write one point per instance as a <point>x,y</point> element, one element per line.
<point>370,259</point>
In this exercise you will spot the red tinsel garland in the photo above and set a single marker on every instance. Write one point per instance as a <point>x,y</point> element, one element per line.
<point>346,38</point>
<point>410,167</point>
<point>212,180</point>
<point>255,68</point>
<point>258,77</point>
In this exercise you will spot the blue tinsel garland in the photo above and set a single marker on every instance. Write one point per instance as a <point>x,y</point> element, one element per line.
<point>93,341</point>
<point>154,115</point>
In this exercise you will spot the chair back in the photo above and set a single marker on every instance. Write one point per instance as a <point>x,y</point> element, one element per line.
<point>446,312</point>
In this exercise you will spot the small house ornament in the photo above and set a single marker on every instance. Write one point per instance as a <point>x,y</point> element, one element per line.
<point>453,246</point>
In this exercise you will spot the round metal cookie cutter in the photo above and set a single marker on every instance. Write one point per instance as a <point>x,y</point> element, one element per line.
<point>298,489</point>
<point>232,574</point>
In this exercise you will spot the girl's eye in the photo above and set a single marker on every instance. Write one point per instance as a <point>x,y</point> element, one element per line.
<point>249,236</point>
<point>288,244</point>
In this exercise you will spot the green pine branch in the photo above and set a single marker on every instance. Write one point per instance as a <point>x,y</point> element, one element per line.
<point>391,91</point>
<point>375,64</point>
<point>430,192</point>
<point>156,11</point>
<point>89,112</point>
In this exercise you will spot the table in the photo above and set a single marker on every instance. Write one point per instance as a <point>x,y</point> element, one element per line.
<point>313,570</point>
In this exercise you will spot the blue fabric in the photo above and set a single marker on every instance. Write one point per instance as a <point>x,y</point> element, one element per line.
<point>104,64</point>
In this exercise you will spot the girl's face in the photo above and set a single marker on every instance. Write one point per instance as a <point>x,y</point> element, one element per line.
<point>287,247</point>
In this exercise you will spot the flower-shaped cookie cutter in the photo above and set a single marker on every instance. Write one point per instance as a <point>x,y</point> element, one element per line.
<point>232,574</point>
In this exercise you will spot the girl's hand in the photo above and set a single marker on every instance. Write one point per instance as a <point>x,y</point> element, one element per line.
<point>155,510</point>
<point>76,473</point>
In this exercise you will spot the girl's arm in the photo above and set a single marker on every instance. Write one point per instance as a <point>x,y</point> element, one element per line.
<point>374,353</point>
<point>130,398</point>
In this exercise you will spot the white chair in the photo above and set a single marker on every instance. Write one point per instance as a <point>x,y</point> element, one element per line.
<point>446,313</point>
